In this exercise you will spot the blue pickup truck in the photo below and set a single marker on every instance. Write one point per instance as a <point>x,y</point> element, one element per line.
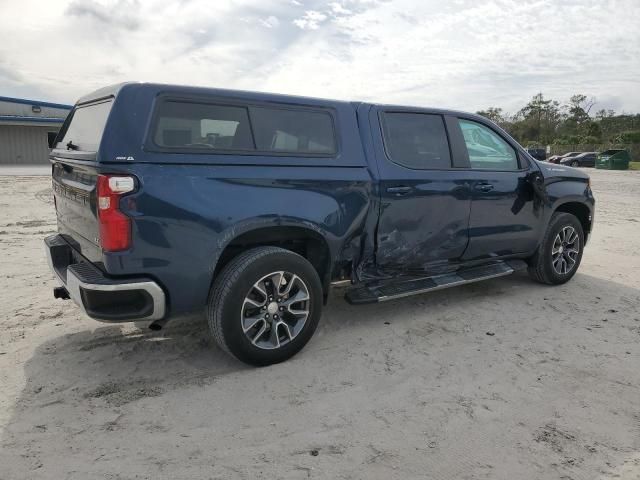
<point>250,206</point>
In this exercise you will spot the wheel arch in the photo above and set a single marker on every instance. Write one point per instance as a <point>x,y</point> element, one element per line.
<point>310,243</point>
<point>581,211</point>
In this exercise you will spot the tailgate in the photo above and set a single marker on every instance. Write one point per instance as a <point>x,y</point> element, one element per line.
<point>74,181</point>
<point>74,190</point>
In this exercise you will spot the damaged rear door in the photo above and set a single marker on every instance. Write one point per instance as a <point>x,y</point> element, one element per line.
<point>425,202</point>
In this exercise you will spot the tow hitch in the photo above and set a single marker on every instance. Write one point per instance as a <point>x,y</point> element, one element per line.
<point>61,292</point>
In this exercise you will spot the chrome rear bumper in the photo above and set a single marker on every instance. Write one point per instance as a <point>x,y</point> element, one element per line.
<point>99,296</point>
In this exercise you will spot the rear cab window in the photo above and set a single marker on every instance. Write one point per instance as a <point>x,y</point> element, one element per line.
<point>198,127</point>
<point>201,126</point>
<point>85,127</point>
<point>303,131</point>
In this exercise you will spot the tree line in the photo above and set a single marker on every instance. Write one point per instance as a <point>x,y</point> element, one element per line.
<point>545,121</point>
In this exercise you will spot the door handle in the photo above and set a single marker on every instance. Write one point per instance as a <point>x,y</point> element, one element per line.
<point>399,191</point>
<point>483,187</point>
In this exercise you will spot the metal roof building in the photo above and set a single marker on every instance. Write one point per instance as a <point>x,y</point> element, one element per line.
<point>25,129</point>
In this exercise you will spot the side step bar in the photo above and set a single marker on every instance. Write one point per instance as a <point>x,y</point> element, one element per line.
<point>390,290</point>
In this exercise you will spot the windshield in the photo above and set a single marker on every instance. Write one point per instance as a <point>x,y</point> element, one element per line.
<point>85,130</point>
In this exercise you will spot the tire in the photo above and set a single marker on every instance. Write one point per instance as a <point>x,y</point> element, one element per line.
<point>575,164</point>
<point>542,267</point>
<point>243,283</point>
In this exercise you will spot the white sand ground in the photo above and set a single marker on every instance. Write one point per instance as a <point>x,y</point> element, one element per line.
<point>410,389</point>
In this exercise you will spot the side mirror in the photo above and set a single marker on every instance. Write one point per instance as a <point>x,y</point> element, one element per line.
<point>536,180</point>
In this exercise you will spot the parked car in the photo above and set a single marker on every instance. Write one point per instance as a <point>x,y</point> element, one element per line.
<point>585,159</point>
<point>538,153</point>
<point>558,158</point>
<point>613,159</point>
<point>250,206</point>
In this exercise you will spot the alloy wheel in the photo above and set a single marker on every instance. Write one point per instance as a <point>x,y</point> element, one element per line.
<point>275,310</point>
<point>565,250</point>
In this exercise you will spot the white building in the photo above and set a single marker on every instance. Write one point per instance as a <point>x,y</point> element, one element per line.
<point>26,126</point>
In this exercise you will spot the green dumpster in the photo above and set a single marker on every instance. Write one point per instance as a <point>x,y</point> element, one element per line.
<point>614,159</point>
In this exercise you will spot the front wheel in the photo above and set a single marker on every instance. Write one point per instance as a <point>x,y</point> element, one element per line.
<point>265,305</point>
<point>575,164</point>
<point>560,252</point>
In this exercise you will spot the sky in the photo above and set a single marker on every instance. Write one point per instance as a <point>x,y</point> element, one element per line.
<point>461,54</point>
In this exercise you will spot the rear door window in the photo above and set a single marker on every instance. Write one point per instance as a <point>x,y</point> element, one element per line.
<point>416,140</point>
<point>487,150</point>
<point>186,125</point>
<point>293,131</point>
<point>85,129</point>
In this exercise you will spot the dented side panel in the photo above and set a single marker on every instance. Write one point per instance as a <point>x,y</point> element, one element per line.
<point>423,216</point>
<point>426,230</point>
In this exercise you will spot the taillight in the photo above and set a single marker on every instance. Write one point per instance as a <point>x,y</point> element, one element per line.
<point>115,226</point>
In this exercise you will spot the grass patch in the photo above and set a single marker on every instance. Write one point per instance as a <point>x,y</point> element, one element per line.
<point>634,165</point>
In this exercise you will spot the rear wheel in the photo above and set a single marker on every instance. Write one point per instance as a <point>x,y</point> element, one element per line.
<point>265,305</point>
<point>560,252</point>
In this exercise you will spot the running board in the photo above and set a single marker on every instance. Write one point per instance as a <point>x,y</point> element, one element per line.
<point>390,290</point>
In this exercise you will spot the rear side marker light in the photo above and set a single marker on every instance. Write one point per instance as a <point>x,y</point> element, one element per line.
<point>115,226</point>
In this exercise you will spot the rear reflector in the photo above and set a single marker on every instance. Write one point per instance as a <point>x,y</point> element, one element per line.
<point>115,226</point>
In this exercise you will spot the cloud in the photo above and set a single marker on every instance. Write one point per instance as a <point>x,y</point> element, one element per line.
<point>464,54</point>
<point>311,20</point>
<point>339,9</point>
<point>270,21</point>
<point>122,14</point>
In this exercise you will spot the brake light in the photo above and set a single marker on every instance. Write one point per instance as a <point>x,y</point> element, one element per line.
<point>115,226</point>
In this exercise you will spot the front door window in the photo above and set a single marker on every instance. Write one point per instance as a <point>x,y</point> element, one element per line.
<point>487,151</point>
